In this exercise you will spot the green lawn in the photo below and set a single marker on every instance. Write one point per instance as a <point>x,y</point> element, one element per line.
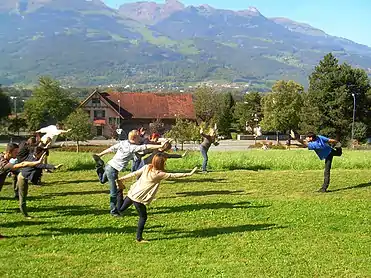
<point>241,223</point>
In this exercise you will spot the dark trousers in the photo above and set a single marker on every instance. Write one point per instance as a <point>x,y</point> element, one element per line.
<point>328,164</point>
<point>142,211</point>
<point>205,156</point>
<point>136,164</point>
<point>22,189</point>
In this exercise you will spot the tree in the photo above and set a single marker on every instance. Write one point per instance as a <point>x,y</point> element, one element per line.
<point>282,107</point>
<point>5,106</point>
<point>224,117</point>
<point>328,105</point>
<point>245,111</point>
<point>183,131</point>
<point>206,104</point>
<point>50,103</point>
<point>79,123</point>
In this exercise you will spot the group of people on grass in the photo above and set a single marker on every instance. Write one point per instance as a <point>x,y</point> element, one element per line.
<point>149,160</point>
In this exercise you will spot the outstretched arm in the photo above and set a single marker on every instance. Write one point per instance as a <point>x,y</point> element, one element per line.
<point>296,137</point>
<point>29,163</point>
<point>112,149</point>
<point>179,175</point>
<point>132,175</point>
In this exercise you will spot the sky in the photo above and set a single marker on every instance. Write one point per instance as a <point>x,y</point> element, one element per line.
<point>349,19</point>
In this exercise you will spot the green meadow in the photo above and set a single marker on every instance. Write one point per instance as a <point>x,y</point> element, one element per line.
<point>256,214</point>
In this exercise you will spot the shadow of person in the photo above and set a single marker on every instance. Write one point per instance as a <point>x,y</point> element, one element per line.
<point>215,231</point>
<point>362,185</point>
<point>207,206</point>
<point>209,192</point>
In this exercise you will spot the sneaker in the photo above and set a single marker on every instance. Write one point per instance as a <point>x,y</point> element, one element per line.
<point>98,161</point>
<point>322,190</point>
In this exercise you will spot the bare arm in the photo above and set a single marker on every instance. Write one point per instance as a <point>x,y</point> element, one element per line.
<point>179,175</point>
<point>332,141</point>
<point>28,163</point>
<point>109,150</point>
<point>132,175</point>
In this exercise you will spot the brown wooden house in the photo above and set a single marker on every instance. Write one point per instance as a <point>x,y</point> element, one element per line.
<point>108,111</point>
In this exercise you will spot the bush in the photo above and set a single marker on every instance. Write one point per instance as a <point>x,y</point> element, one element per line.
<point>234,135</point>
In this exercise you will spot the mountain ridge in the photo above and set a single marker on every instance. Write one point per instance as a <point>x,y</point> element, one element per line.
<point>88,43</point>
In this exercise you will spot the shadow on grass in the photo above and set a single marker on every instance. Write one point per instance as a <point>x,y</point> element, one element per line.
<point>22,223</point>
<point>92,231</point>
<point>62,182</point>
<point>66,210</point>
<point>215,231</point>
<point>78,193</point>
<point>198,181</point>
<point>362,185</point>
<point>247,167</point>
<point>209,192</point>
<point>210,206</point>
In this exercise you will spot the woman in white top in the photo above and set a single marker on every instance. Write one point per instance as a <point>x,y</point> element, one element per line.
<point>143,191</point>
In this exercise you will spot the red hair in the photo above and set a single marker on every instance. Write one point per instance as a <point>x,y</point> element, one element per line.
<point>158,162</point>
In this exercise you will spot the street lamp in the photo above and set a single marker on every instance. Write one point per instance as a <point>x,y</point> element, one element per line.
<point>15,111</point>
<point>119,113</point>
<point>354,115</point>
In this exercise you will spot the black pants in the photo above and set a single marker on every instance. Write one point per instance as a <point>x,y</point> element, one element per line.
<point>142,211</point>
<point>328,164</point>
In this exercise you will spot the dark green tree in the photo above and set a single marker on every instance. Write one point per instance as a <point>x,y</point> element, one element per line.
<point>5,105</point>
<point>328,105</point>
<point>245,111</point>
<point>224,115</point>
<point>282,107</point>
<point>50,103</point>
<point>206,104</point>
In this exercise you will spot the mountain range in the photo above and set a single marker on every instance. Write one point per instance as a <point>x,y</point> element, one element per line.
<point>86,43</point>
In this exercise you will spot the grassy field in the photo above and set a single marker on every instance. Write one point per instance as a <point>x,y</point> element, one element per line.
<point>263,219</point>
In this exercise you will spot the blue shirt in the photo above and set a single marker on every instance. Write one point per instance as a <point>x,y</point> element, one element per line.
<point>320,146</point>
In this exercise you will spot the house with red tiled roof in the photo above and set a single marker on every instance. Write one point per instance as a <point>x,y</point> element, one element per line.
<point>111,110</point>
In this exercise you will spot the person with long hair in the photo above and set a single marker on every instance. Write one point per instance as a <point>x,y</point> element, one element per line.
<point>208,139</point>
<point>6,166</point>
<point>144,190</point>
<point>125,151</point>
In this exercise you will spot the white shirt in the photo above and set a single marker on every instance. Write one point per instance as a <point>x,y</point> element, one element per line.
<point>50,132</point>
<point>124,153</point>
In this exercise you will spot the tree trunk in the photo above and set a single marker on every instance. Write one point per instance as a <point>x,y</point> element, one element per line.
<point>182,145</point>
<point>278,138</point>
<point>77,146</point>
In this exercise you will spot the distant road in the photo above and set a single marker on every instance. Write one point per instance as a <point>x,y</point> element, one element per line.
<point>225,145</point>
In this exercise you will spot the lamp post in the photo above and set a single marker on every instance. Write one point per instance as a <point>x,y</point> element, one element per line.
<point>119,113</point>
<point>15,111</point>
<point>354,116</point>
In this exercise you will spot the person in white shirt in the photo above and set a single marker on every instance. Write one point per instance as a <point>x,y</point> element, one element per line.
<point>125,150</point>
<point>144,190</point>
<point>49,138</point>
<point>51,134</point>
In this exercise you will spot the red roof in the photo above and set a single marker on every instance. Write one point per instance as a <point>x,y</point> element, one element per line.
<point>152,105</point>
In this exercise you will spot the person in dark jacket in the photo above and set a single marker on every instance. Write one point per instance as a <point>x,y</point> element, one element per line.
<point>25,149</point>
<point>31,174</point>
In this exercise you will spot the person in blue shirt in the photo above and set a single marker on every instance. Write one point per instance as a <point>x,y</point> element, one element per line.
<point>325,149</point>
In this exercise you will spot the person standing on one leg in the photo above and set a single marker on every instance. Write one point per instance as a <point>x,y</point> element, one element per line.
<point>6,167</point>
<point>125,151</point>
<point>208,139</point>
<point>323,147</point>
<point>25,149</point>
<point>31,174</point>
<point>144,190</point>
